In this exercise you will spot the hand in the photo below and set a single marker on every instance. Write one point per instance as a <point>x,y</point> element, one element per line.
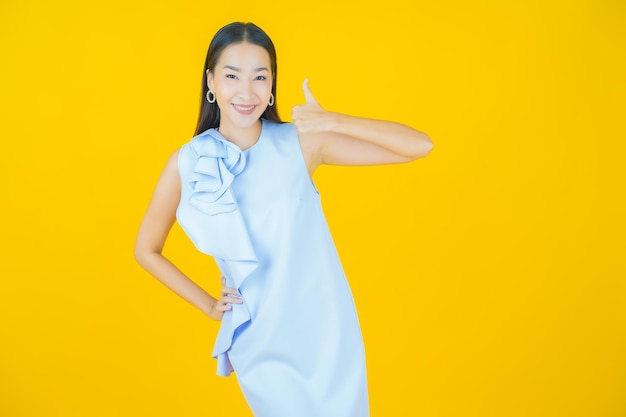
<point>228,296</point>
<point>311,117</point>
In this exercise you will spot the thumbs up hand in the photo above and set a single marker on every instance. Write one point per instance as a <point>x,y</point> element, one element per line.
<point>308,95</point>
<point>311,117</point>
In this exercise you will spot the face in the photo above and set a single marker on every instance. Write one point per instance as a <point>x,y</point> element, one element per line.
<point>242,82</point>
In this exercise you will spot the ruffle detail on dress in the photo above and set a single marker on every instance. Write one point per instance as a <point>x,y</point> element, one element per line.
<point>219,161</point>
<point>214,212</point>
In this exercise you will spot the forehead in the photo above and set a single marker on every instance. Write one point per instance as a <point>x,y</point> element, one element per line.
<point>244,55</point>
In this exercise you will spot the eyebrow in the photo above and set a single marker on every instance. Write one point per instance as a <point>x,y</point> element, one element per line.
<point>231,67</point>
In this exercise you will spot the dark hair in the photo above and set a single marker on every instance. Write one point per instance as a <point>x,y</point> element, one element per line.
<point>233,33</point>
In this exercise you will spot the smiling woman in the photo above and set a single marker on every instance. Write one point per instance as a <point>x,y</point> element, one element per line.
<point>242,85</point>
<point>242,191</point>
<point>243,54</point>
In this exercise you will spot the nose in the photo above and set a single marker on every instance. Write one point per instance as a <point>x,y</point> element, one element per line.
<point>245,91</point>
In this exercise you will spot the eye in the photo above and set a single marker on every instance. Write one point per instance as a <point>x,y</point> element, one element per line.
<point>231,76</point>
<point>261,78</point>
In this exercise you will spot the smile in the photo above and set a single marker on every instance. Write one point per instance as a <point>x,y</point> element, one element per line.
<point>244,109</point>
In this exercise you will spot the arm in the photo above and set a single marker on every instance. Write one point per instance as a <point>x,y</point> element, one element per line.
<point>338,139</point>
<point>151,238</point>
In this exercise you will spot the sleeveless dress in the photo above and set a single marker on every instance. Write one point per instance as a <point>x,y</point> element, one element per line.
<point>295,343</point>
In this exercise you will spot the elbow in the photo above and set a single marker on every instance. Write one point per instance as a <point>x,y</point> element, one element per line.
<point>146,255</point>
<point>422,147</point>
<point>427,146</point>
<point>142,255</point>
<point>139,255</point>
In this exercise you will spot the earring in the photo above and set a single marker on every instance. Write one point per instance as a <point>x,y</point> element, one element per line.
<point>210,96</point>
<point>271,103</point>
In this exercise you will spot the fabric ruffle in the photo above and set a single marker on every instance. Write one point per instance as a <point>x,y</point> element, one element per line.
<point>212,212</point>
<point>219,161</point>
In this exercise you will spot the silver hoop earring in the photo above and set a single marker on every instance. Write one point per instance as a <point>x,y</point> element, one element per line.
<point>210,96</point>
<point>271,103</point>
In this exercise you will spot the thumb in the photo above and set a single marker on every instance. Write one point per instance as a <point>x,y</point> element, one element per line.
<point>308,95</point>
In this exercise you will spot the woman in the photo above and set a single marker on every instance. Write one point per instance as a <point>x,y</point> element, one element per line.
<point>242,191</point>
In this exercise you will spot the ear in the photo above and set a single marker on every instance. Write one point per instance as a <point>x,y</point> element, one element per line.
<point>209,79</point>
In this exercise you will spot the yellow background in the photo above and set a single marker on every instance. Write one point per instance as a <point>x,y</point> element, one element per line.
<point>489,276</point>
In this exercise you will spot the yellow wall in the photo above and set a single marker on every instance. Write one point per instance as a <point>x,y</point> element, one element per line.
<point>489,276</point>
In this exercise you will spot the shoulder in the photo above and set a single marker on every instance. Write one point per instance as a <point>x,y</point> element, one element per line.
<point>185,157</point>
<point>173,158</point>
<point>207,143</point>
<point>198,141</point>
<point>277,129</point>
<point>285,137</point>
<point>169,179</point>
<point>282,135</point>
<point>171,166</point>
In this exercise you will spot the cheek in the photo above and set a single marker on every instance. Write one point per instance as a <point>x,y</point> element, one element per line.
<point>265,90</point>
<point>224,91</point>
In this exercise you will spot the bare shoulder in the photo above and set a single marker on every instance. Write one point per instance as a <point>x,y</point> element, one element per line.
<point>170,178</point>
<point>172,161</point>
<point>171,165</point>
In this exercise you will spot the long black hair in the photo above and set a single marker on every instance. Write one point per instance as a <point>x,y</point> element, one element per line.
<point>233,33</point>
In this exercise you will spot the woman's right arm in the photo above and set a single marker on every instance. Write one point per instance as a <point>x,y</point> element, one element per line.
<point>151,238</point>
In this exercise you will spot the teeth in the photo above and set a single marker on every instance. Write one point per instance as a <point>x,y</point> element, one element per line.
<point>242,108</point>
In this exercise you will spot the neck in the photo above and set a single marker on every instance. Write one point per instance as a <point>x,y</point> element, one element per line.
<point>242,137</point>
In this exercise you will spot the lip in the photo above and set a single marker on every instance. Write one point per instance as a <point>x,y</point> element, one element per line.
<point>245,110</point>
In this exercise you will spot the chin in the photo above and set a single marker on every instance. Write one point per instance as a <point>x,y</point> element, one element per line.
<point>243,122</point>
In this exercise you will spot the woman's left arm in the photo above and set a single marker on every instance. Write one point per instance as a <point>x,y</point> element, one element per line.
<point>339,139</point>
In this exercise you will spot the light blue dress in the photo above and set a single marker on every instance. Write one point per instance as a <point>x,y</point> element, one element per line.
<point>295,343</point>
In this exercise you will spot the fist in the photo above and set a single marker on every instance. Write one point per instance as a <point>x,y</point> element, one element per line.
<point>310,117</point>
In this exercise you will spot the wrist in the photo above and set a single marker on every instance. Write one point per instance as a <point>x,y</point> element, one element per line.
<point>339,122</point>
<point>208,307</point>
